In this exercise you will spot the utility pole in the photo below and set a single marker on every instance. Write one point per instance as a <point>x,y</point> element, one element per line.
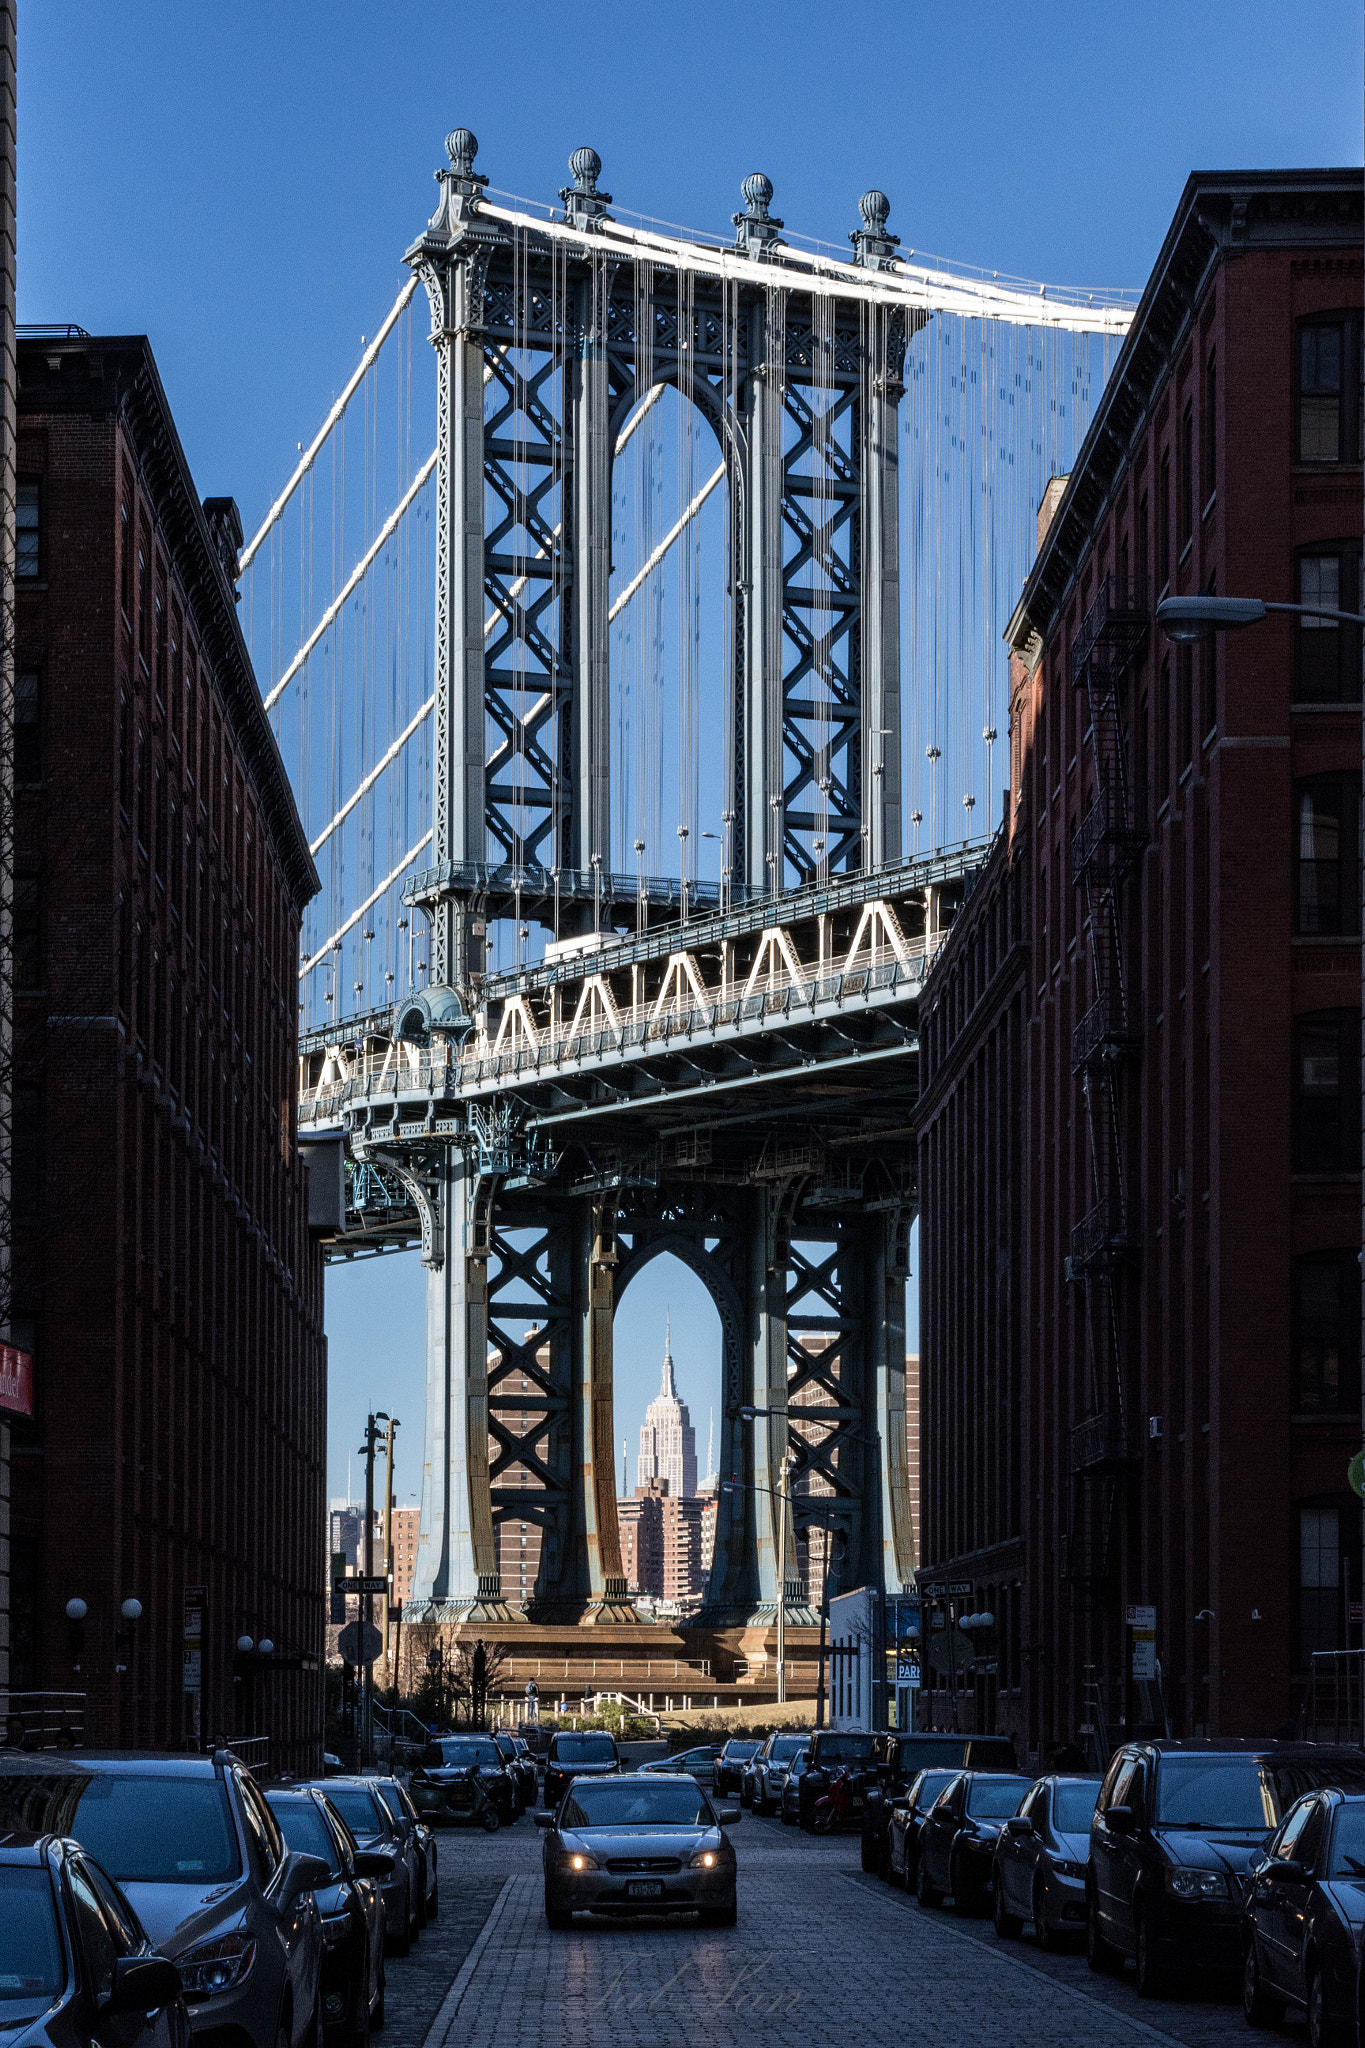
<point>366,1614</point>
<point>389,1435</point>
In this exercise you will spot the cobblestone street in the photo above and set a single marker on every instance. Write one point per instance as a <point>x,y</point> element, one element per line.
<point>821,1953</point>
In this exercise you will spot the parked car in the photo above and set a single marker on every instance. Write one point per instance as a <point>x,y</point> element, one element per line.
<point>898,1759</point>
<point>1176,1827</point>
<point>521,1766</point>
<point>761,1771</point>
<point>1302,1915</point>
<point>647,1842</point>
<point>199,1855</point>
<point>410,1823</point>
<point>907,1817</point>
<point>1040,1859</point>
<point>831,1750</point>
<point>589,1753</point>
<point>463,1778</point>
<point>787,1778</point>
<point>729,1772</point>
<point>352,1909</point>
<point>957,1841</point>
<point>55,1899</point>
<point>402,1876</point>
<point>689,1763</point>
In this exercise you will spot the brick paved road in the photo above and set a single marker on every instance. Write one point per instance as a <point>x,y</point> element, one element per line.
<point>822,1954</point>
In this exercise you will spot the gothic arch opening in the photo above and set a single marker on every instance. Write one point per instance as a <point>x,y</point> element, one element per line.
<point>668,1369</point>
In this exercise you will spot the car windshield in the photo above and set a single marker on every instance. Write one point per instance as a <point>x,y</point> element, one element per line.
<point>585,1749</point>
<point>1212,1792</point>
<point>929,1784</point>
<point>30,1946</point>
<point>995,1798</point>
<point>739,1752</point>
<point>304,1829</point>
<point>1348,1844</point>
<point>1072,1807</point>
<point>462,1751</point>
<point>356,1807</point>
<point>845,1749</point>
<point>663,1803</point>
<point>787,1746</point>
<point>143,1828</point>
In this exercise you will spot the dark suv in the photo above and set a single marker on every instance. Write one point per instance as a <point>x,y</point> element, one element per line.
<point>199,1854</point>
<point>897,1761</point>
<point>831,1750</point>
<point>1176,1826</point>
<point>590,1753</point>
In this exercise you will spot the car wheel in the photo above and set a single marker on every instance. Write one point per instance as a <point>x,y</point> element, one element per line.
<point>364,2018</point>
<point>1152,1976</point>
<point>884,1867</point>
<point>927,1894</point>
<point>491,1819</point>
<point>555,1917</point>
<point>400,1943</point>
<point>1101,1955</point>
<point>1324,2031</point>
<point>746,1797</point>
<point>871,1853</point>
<point>1259,2009</point>
<point>720,1916</point>
<point>964,1901</point>
<point>1042,1933</point>
<point>1007,1924</point>
<point>434,1903</point>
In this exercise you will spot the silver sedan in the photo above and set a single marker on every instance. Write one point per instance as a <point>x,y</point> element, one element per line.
<point>645,1843</point>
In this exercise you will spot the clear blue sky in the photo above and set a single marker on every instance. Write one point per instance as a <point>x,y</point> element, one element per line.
<point>240,184</point>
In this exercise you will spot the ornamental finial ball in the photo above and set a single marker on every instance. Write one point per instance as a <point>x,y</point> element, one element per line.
<point>462,146</point>
<point>758,190</point>
<point>875,208</point>
<point>585,164</point>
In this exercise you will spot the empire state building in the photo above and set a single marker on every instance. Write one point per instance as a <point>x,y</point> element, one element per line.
<point>668,1442</point>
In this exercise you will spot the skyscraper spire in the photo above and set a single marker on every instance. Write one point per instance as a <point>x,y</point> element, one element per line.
<point>667,1390</point>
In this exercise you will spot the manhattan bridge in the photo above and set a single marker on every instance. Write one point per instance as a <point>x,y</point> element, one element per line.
<point>635,849</point>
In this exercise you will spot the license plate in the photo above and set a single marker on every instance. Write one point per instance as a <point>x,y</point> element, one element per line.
<point>645,1888</point>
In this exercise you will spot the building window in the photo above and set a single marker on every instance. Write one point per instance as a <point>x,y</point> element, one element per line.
<point>1328,368</point>
<point>125,563</point>
<point>1327,1092</point>
<point>143,606</point>
<point>1328,654</point>
<point>1326,864</point>
<point>1143,563</point>
<point>1186,670</point>
<point>28,760</point>
<point>1163,513</point>
<point>27,955</point>
<point>1187,474</point>
<point>1163,765</point>
<point>28,532</point>
<point>1320,1614</point>
<point>1209,481</point>
<point>1325,1346</point>
<point>26,1152</point>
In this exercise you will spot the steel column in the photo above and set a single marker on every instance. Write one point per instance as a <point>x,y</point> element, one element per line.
<point>762,824</point>
<point>880,663</point>
<point>591,413</point>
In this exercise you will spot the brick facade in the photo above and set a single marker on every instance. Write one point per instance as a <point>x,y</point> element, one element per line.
<point>1186,1346</point>
<point>164,1272</point>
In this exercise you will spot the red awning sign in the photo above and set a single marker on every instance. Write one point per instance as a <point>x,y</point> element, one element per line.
<point>16,1381</point>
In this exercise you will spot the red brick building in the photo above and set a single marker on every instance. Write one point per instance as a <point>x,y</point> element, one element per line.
<point>1163,1416</point>
<point>164,1275</point>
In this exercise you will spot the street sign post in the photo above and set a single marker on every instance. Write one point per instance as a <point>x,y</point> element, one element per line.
<point>360,1642</point>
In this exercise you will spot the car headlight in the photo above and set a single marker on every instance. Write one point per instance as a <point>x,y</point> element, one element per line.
<point>215,1966</point>
<point>705,1859</point>
<point>335,1928</point>
<point>1196,1884</point>
<point>578,1859</point>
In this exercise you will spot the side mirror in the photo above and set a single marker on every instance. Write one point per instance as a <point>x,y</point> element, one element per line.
<point>1120,1819</point>
<point>1019,1824</point>
<point>1282,1871</point>
<point>543,1818</point>
<point>729,1816</point>
<point>374,1862</point>
<point>303,1874</point>
<point>142,1983</point>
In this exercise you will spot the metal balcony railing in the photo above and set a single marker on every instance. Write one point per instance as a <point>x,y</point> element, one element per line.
<point>1109,839</point>
<point>42,1720</point>
<point>1102,1237</point>
<point>1105,1032</point>
<point>1115,625</point>
<point>1100,1445</point>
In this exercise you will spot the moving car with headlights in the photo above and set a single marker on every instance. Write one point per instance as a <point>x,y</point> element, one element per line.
<point>586,1753</point>
<point>1302,1914</point>
<point>832,1750</point>
<point>76,1968</point>
<point>689,1763</point>
<point>1176,1828</point>
<point>414,1831</point>
<point>957,1841</point>
<point>1040,1859</point>
<point>352,1909</point>
<point>762,1771</point>
<point>645,1842</point>
<point>899,1758</point>
<point>905,1823</point>
<point>521,1767</point>
<point>399,1870</point>
<point>463,1778</point>
<point>728,1776</point>
<point>200,1857</point>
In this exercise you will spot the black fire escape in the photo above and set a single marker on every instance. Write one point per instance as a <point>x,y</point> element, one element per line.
<point>1105,851</point>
